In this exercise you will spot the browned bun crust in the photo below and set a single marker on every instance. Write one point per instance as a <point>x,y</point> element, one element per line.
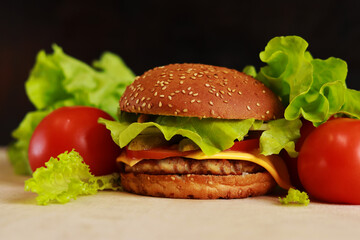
<point>198,186</point>
<point>198,90</point>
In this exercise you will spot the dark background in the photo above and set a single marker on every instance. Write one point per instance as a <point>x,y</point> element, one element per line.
<point>152,33</point>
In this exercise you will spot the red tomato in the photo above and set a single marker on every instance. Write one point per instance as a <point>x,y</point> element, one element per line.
<point>155,153</point>
<point>329,162</point>
<point>76,128</point>
<point>245,145</point>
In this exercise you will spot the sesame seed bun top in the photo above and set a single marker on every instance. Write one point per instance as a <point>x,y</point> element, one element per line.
<point>198,90</point>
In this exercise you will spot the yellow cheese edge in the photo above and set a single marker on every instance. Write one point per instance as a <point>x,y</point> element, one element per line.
<point>273,163</point>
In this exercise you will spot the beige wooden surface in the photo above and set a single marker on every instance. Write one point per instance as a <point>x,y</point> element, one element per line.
<point>118,215</point>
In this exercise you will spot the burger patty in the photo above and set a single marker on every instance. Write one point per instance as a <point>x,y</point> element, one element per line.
<point>178,165</point>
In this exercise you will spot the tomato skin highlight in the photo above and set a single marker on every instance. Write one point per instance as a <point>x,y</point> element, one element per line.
<point>76,128</point>
<point>329,162</point>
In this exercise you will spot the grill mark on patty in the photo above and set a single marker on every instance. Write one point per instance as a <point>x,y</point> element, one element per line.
<point>179,165</point>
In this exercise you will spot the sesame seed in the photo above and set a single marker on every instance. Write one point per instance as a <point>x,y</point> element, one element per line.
<point>263,91</point>
<point>262,116</point>
<point>221,91</point>
<point>193,100</point>
<point>137,101</point>
<point>258,104</point>
<point>143,105</point>
<point>177,91</point>
<point>248,108</point>
<point>160,104</point>
<point>212,112</point>
<point>192,77</point>
<point>172,94</point>
<point>226,101</point>
<point>207,85</point>
<point>175,113</point>
<point>185,110</point>
<point>136,94</point>
<point>170,105</point>
<point>155,94</point>
<point>189,88</point>
<point>211,91</point>
<point>233,90</point>
<point>181,82</point>
<point>149,105</point>
<point>267,112</point>
<point>211,103</point>
<point>217,94</point>
<point>229,93</point>
<point>142,99</point>
<point>198,101</point>
<point>195,94</point>
<point>173,178</point>
<point>163,88</point>
<point>182,77</point>
<point>229,89</point>
<point>190,92</point>
<point>161,95</point>
<point>169,97</point>
<point>239,92</point>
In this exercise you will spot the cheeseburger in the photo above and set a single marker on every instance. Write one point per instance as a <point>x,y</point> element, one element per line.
<point>192,131</point>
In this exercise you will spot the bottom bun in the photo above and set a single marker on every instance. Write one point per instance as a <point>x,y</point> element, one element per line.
<point>198,186</point>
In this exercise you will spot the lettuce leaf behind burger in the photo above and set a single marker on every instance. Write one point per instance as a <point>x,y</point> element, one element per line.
<point>311,88</point>
<point>58,80</point>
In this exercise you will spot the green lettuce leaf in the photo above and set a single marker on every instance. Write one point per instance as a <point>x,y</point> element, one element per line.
<point>311,88</point>
<point>58,80</point>
<point>18,150</point>
<point>250,70</point>
<point>281,134</point>
<point>65,178</point>
<point>295,196</point>
<point>205,132</point>
<point>351,105</point>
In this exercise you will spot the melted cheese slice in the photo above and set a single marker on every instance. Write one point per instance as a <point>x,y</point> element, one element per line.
<point>273,164</point>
